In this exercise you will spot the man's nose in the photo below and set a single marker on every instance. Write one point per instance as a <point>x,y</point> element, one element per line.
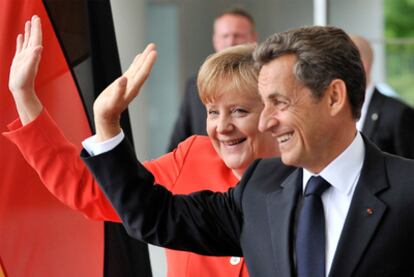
<point>232,41</point>
<point>267,121</point>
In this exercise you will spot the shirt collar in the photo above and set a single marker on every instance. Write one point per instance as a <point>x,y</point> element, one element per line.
<point>343,172</point>
<point>364,110</point>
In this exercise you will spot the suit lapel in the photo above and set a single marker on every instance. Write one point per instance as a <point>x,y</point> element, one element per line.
<point>281,209</point>
<point>364,215</point>
<point>373,114</point>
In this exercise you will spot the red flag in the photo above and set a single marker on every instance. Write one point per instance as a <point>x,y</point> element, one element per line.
<point>1,271</point>
<point>38,235</point>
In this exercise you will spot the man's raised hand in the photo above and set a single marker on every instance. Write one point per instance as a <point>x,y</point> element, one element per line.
<point>117,96</point>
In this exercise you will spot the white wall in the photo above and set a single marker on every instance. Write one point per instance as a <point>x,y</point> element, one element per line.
<point>130,18</point>
<point>365,18</point>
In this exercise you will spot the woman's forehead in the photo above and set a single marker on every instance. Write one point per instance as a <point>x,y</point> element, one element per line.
<point>235,95</point>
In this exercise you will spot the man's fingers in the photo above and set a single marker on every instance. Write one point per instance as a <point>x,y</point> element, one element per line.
<point>136,58</point>
<point>136,74</point>
<point>146,67</point>
<point>122,82</point>
<point>150,47</point>
<point>139,78</point>
<point>129,71</point>
<point>138,61</point>
<point>117,96</point>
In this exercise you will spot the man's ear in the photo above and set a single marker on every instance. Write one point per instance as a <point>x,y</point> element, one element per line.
<point>337,96</point>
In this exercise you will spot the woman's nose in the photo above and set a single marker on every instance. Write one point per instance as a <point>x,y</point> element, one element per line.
<point>224,124</point>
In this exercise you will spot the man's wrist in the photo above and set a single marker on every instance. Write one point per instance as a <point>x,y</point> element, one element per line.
<point>106,130</point>
<point>93,147</point>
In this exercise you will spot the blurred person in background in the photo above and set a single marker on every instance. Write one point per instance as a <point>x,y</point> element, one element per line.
<point>232,27</point>
<point>385,120</point>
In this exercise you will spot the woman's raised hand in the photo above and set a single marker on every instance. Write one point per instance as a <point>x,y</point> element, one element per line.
<point>24,69</point>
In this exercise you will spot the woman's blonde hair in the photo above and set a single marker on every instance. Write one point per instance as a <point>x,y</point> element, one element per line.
<point>228,70</point>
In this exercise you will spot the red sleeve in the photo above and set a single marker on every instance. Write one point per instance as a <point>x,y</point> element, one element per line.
<point>59,166</point>
<point>167,168</point>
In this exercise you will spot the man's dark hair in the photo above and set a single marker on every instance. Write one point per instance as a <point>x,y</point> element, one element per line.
<point>323,54</point>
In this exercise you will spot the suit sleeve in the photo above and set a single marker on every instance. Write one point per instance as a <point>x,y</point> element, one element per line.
<point>204,222</point>
<point>64,174</point>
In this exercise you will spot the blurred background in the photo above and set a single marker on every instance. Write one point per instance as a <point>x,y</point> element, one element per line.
<point>398,40</point>
<point>182,29</point>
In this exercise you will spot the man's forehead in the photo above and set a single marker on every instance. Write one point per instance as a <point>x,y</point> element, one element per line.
<point>276,78</point>
<point>286,60</point>
<point>279,69</point>
<point>228,20</point>
<point>269,87</point>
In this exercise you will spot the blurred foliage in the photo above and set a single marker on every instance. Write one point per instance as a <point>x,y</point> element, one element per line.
<point>399,18</point>
<point>399,35</point>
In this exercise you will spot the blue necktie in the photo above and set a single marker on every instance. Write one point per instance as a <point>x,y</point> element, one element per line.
<point>310,232</point>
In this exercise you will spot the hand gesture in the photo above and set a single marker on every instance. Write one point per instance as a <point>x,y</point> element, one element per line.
<point>24,69</point>
<point>117,96</point>
<point>26,59</point>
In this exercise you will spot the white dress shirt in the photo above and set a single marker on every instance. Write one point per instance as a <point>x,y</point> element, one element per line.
<point>343,174</point>
<point>95,148</point>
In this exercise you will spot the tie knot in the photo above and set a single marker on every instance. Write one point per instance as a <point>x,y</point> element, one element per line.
<point>316,185</point>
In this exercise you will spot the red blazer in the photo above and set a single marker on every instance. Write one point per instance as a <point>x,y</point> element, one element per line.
<point>193,166</point>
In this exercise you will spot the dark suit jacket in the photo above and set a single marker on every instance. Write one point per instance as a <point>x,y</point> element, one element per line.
<point>191,118</point>
<point>256,218</point>
<point>389,124</point>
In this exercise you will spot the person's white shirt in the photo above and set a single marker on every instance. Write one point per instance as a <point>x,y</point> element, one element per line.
<point>95,148</point>
<point>343,174</point>
<point>387,90</point>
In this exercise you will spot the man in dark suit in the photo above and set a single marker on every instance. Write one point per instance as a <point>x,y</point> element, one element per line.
<point>232,27</point>
<point>385,120</point>
<point>346,210</point>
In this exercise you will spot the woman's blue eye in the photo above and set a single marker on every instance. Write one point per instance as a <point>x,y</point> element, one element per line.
<point>239,111</point>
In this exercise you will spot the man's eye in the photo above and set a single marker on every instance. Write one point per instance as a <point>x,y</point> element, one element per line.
<point>280,104</point>
<point>212,112</point>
